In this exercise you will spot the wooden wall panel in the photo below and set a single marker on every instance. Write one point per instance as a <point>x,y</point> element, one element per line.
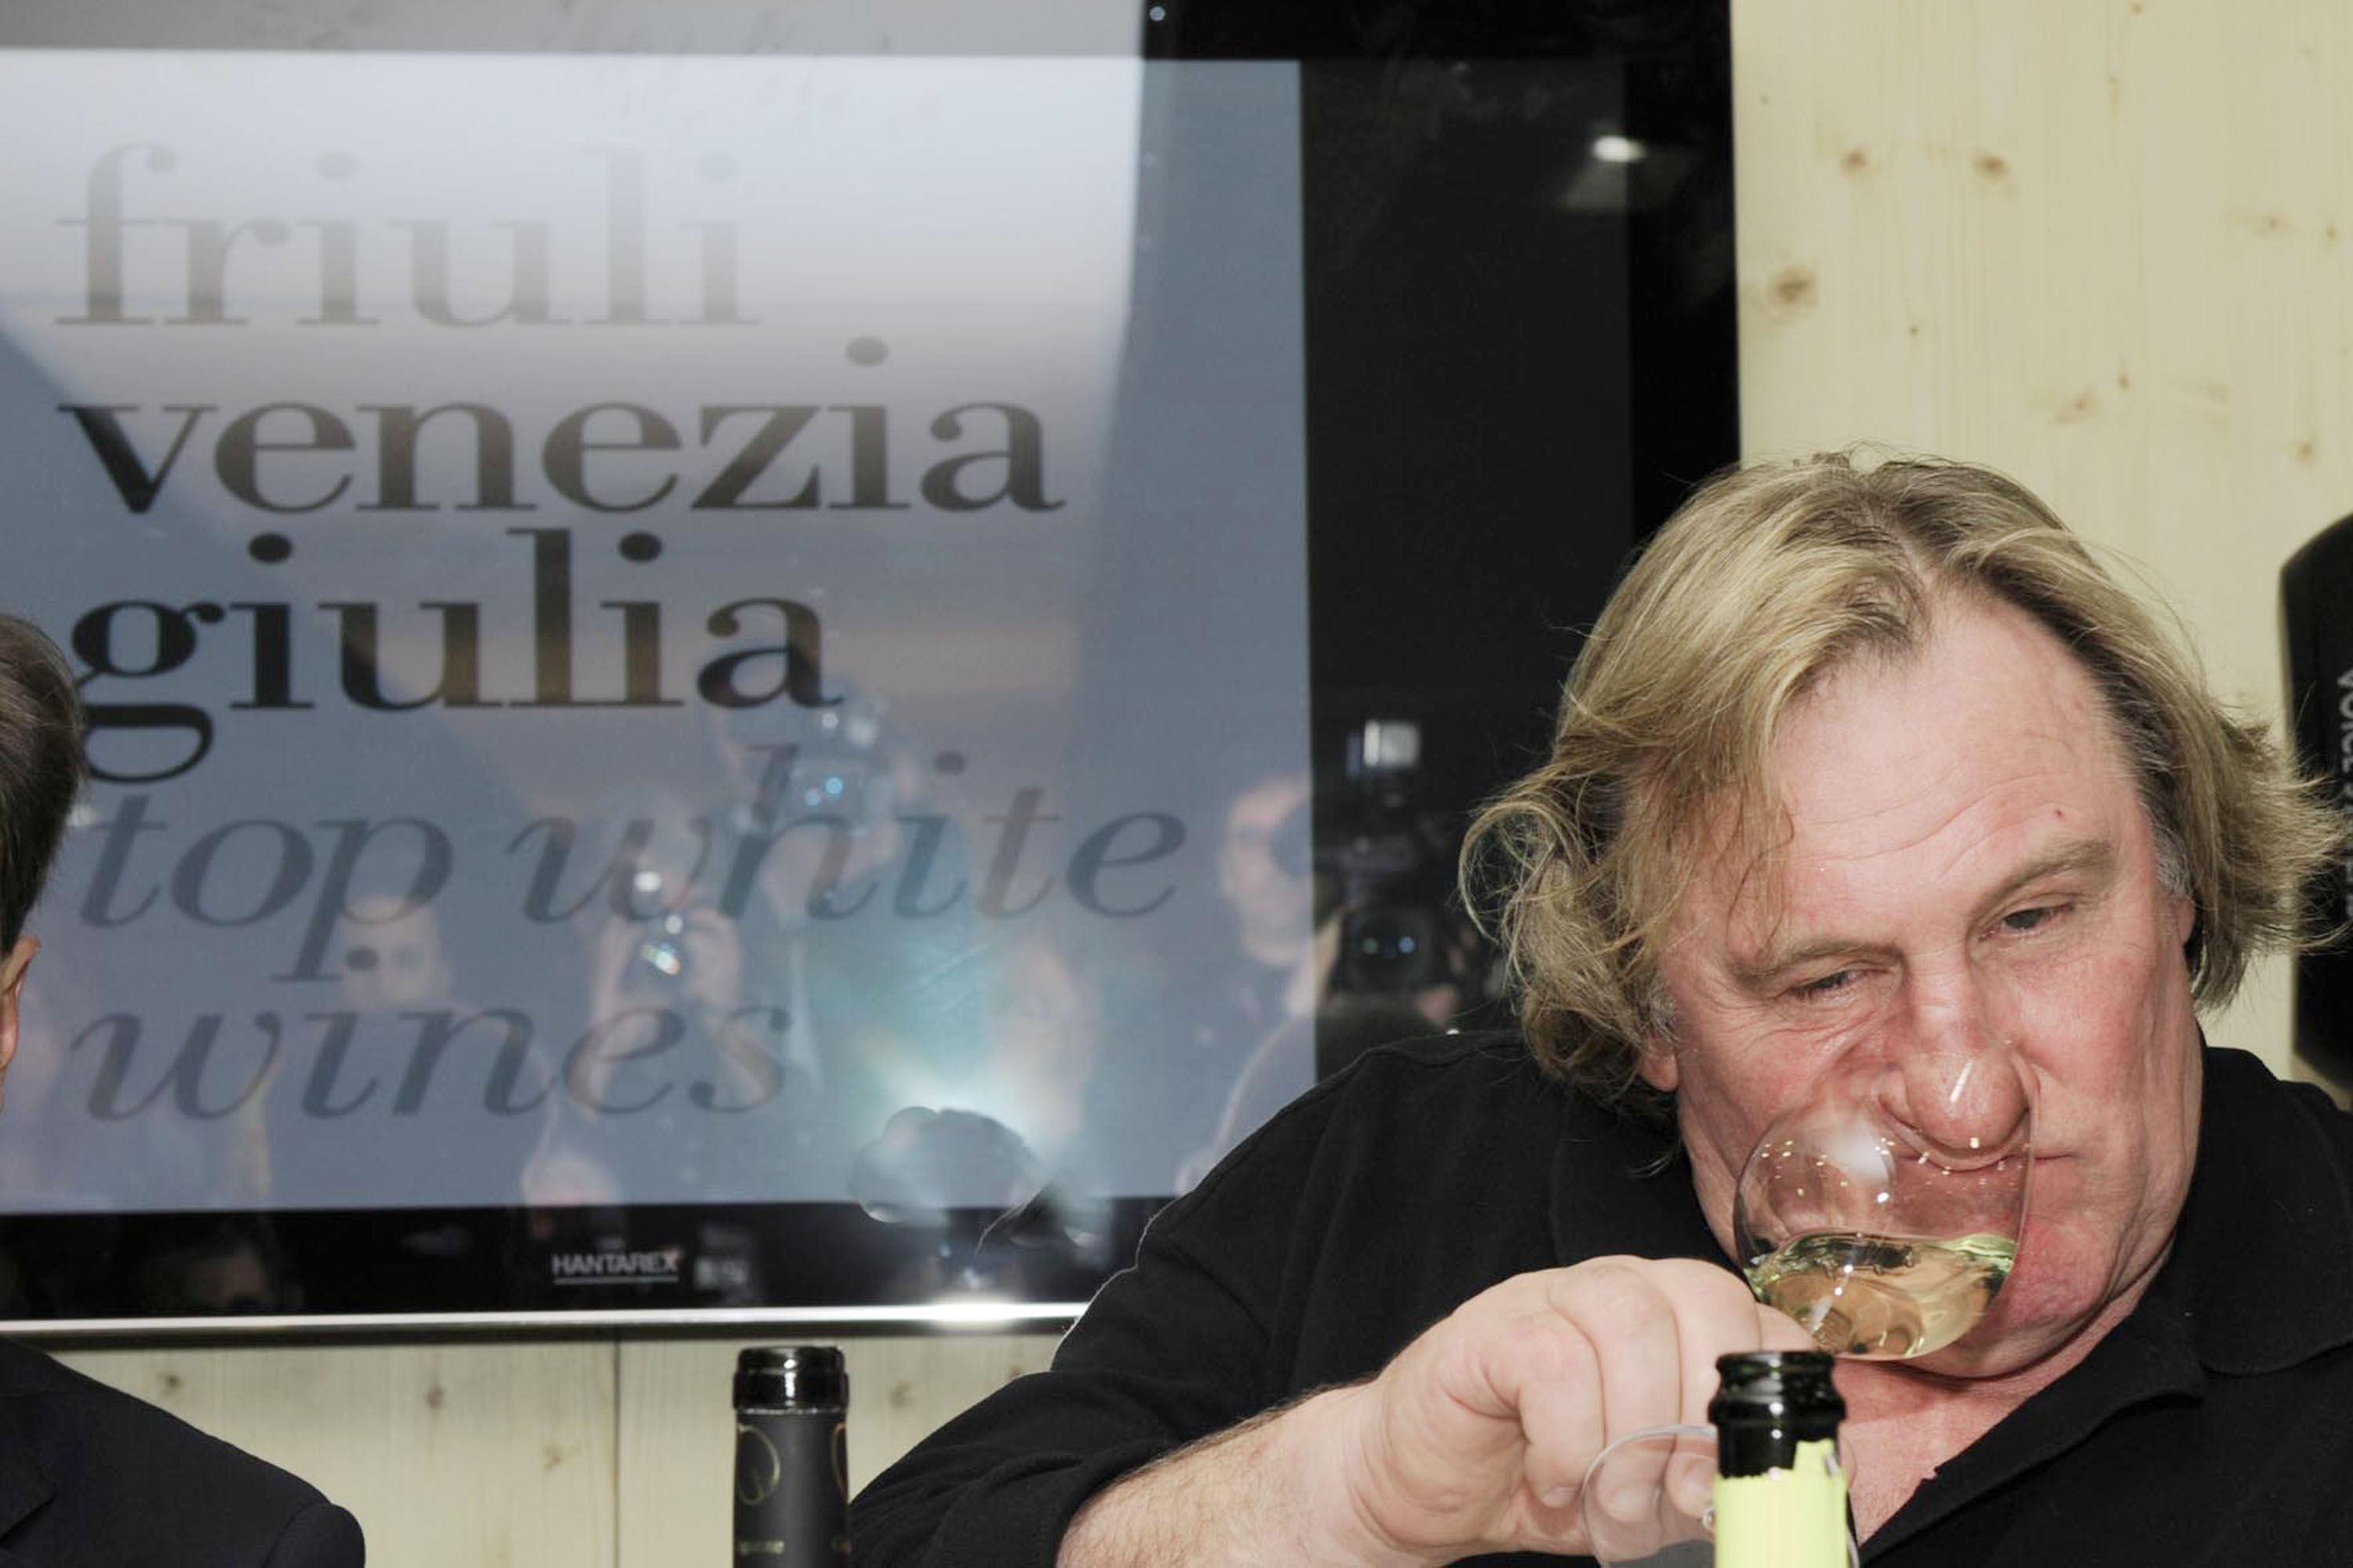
<point>2106,245</point>
<point>484,1456</point>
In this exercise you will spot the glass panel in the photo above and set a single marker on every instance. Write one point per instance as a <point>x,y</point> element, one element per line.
<point>647,623</point>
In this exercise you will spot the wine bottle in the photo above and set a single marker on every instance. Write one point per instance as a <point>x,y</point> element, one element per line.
<point>1780,1497</point>
<point>2317,617</point>
<point>792,1493</point>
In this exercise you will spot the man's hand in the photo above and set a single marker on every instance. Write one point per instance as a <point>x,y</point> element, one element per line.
<point>1475,1438</point>
<point>1479,1434</point>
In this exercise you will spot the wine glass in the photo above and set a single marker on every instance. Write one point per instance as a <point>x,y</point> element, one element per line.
<point>1884,1213</point>
<point>1648,1499</point>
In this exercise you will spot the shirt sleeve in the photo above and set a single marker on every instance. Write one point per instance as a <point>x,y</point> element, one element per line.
<point>1176,1348</point>
<point>321,1536</point>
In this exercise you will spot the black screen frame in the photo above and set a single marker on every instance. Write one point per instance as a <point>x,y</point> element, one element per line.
<point>1449,572</point>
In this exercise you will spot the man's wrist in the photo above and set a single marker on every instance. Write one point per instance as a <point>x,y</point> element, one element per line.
<point>1325,1442</point>
<point>1286,1488</point>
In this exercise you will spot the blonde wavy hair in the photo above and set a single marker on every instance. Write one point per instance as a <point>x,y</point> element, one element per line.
<point>1767,578</point>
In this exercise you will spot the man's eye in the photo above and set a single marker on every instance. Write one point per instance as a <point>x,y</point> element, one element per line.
<point>1825,985</point>
<point>2028,919</point>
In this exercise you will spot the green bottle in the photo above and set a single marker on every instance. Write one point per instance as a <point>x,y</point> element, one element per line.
<point>1780,1497</point>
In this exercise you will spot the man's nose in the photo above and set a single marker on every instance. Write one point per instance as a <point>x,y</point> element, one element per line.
<point>1952,1075</point>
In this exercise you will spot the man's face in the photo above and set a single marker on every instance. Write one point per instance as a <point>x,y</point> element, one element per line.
<point>1969,865</point>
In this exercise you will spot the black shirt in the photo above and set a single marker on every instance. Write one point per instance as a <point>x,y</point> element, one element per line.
<point>2214,1425</point>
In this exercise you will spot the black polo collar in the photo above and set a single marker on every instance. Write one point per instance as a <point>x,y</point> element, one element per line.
<point>1655,1214</point>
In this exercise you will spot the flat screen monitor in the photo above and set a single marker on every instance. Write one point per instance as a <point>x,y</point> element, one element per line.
<point>747,673</point>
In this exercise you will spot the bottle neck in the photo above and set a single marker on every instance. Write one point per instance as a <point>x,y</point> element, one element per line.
<point>1754,1448</point>
<point>1767,1404</point>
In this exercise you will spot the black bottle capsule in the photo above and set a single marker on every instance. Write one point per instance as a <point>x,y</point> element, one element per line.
<point>1768,1402</point>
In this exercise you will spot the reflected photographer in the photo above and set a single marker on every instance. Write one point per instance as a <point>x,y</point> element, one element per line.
<point>1385,866</point>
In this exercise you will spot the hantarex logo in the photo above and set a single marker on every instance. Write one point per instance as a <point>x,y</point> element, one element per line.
<point>617,1266</point>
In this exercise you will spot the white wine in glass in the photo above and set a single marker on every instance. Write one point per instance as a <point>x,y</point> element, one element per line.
<point>1883,1297</point>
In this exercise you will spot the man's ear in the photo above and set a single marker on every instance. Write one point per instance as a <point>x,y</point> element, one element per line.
<point>1655,1061</point>
<point>18,960</point>
<point>13,967</point>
